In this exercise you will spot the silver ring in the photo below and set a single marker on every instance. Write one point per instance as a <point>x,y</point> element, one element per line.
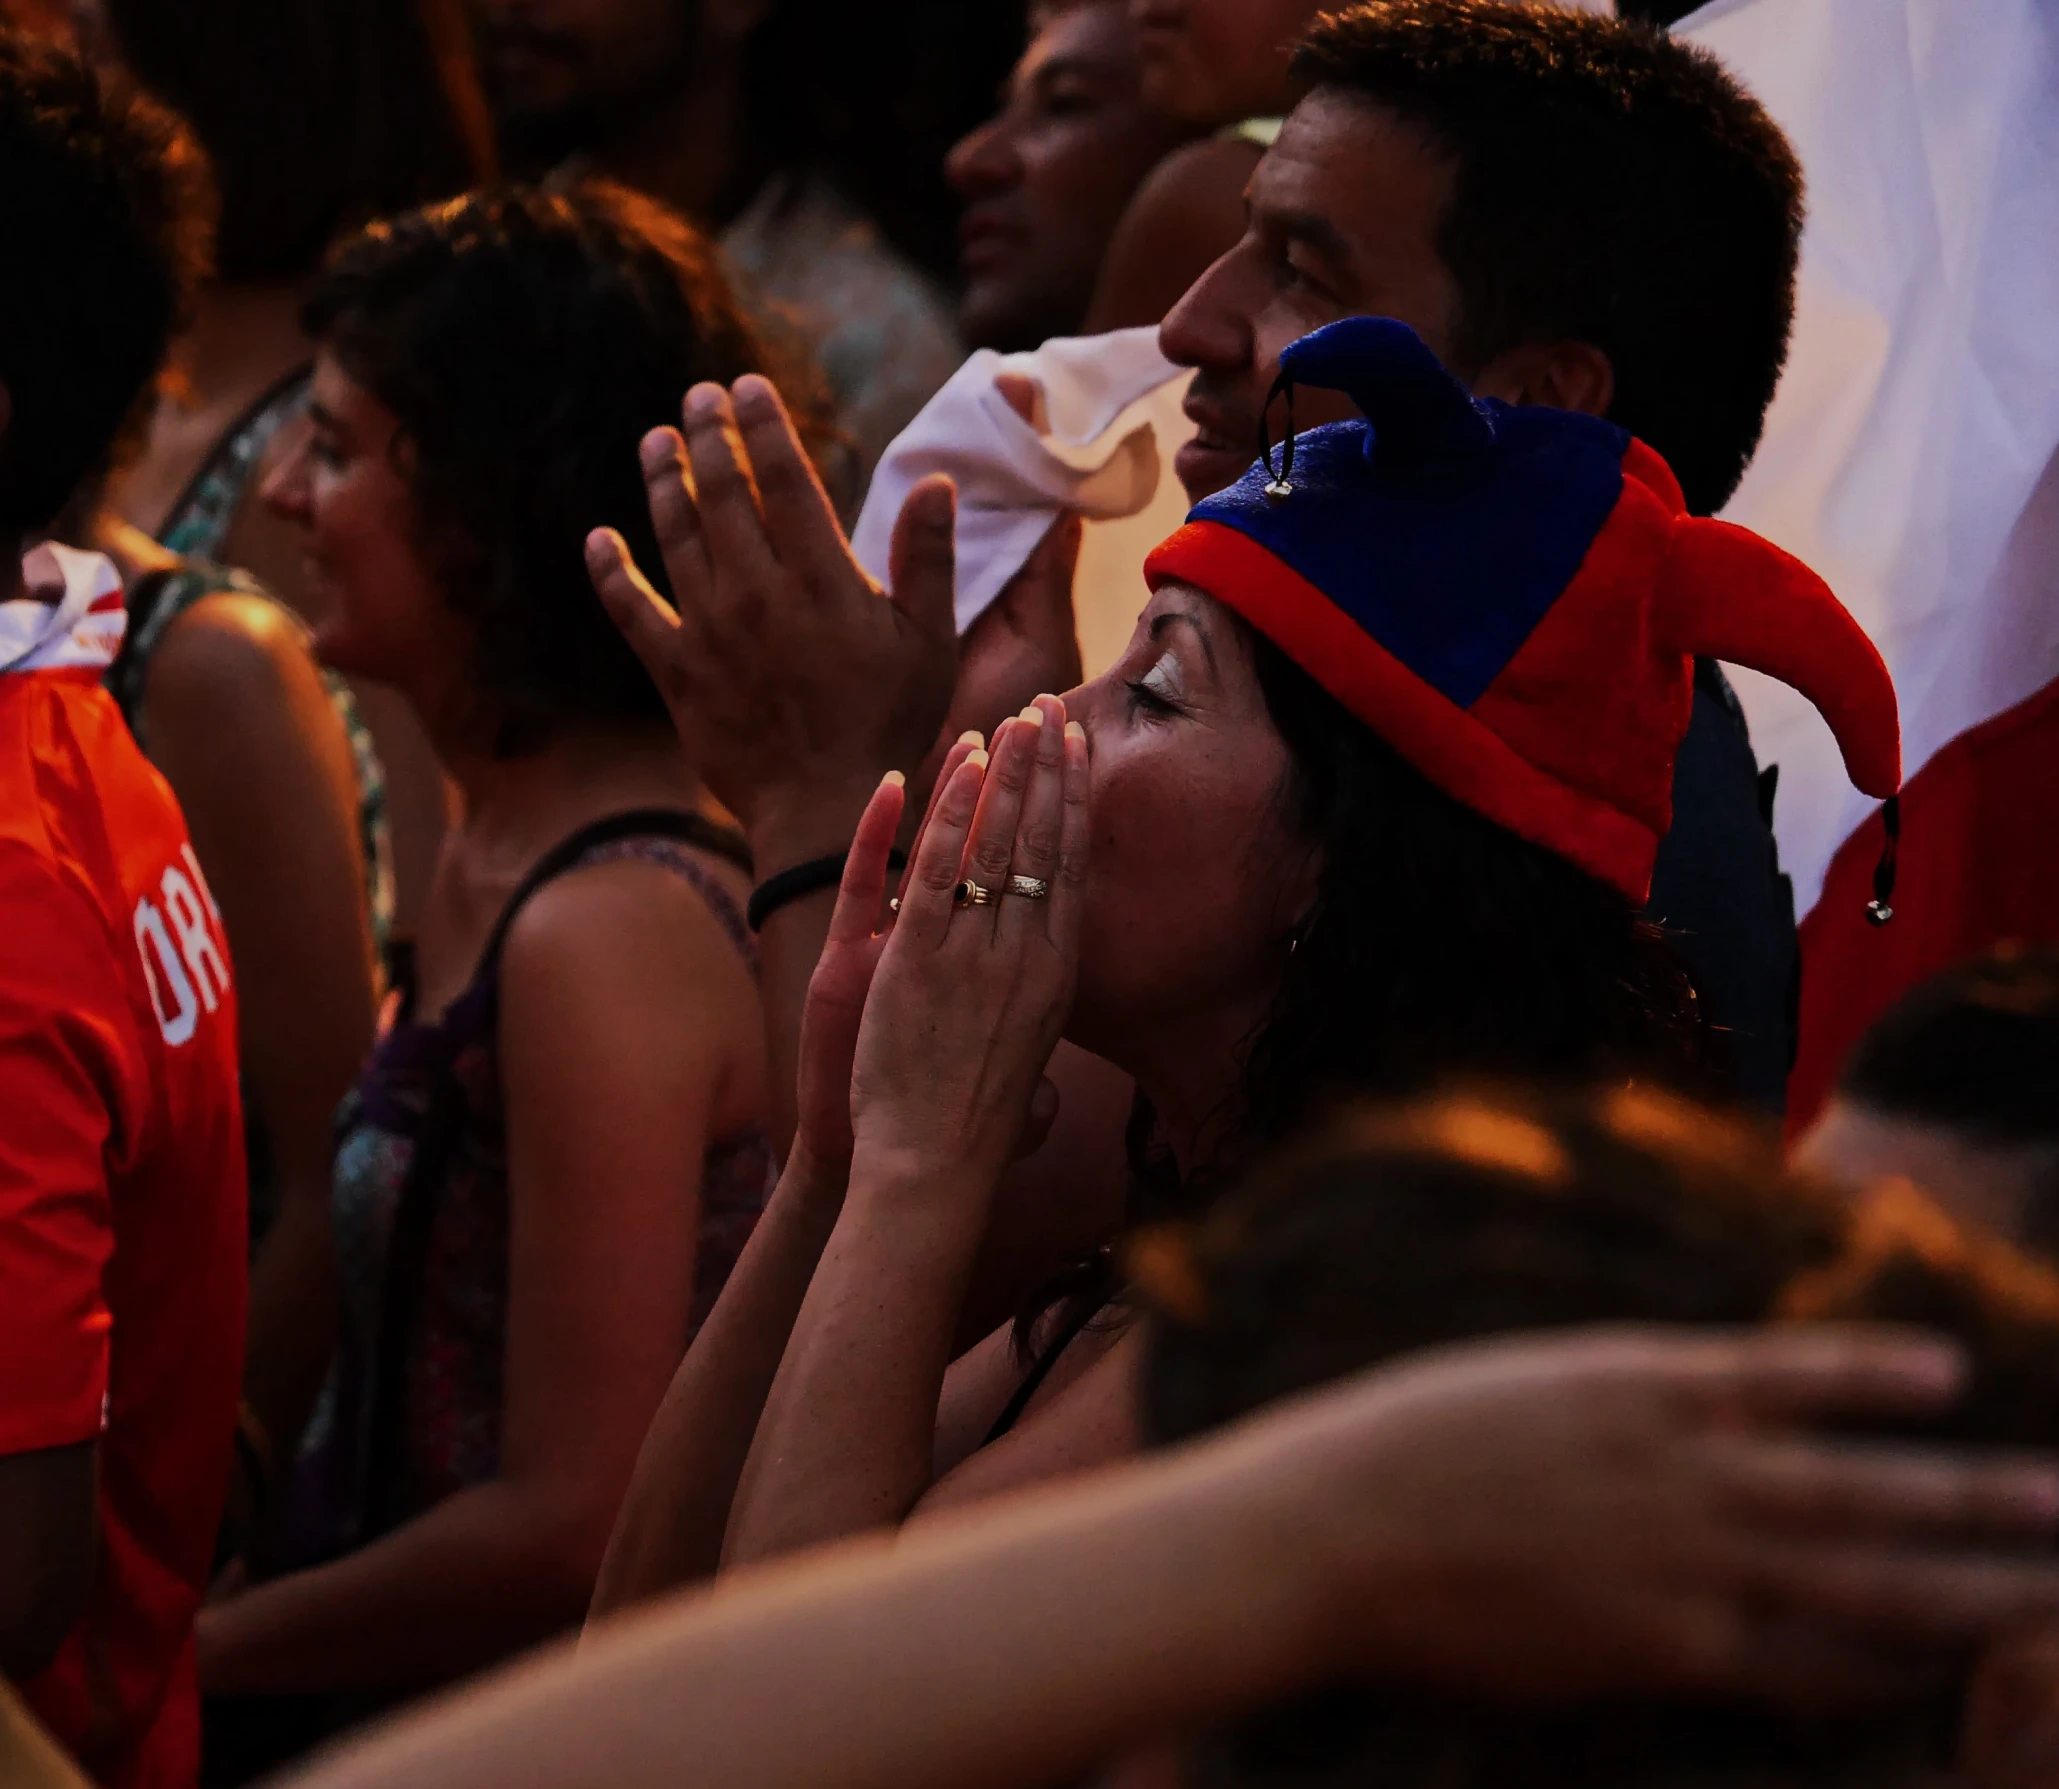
<point>971,894</point>
<point>894,906</point>
<point>1028,887</point>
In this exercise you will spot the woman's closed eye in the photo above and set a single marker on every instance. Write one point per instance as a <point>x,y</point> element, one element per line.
<point>1160,691</point>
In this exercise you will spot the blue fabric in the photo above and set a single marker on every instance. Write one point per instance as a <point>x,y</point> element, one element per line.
<point>1447,539</point>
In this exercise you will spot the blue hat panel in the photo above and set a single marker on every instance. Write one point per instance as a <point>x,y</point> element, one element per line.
<point>1450,567</point>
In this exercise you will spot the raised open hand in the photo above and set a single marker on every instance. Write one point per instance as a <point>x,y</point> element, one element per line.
<point>793,679</point>
<point>843,973</point>
<point>969,997</point>
<point>1634,1510</point>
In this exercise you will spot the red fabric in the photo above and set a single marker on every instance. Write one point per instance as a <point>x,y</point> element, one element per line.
<point>1979,866</point>
<point>1593,698</point>
<point>1455,749</point>
<point>122,1204</point>
<point>1573,744</point>
<point>1732,596</point>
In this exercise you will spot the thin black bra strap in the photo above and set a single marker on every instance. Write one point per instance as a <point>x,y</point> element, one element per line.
<point>636,823</point>
<point>1040,1370</point>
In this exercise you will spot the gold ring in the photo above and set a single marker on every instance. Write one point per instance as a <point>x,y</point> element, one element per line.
<point>1028,887</point>
<point>970,894</point>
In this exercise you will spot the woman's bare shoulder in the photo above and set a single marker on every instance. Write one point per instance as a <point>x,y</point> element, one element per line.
<point>1083,1416</point>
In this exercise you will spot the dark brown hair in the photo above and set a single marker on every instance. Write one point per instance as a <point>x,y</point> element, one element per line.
<point>1476,1213</point>
<point>1614,186</point>
<point>318,115</point>
<point>528,339</point>
<point>104,208</point>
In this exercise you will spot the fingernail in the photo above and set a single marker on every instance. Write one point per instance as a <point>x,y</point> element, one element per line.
<point>972,738</point>
<point>600,547</point>
<point>1034,716</point>
<point>702,399</point>
<point>896,778</point>
<point>752,392</point>
<point>1073,730</point>
<point>977,757</point>
<point>656,450</point>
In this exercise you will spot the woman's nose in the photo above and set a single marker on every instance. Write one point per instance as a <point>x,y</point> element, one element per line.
<point>284,491</point>
<point>983,161</point>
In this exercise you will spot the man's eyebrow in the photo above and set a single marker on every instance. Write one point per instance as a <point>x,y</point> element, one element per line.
<point>323,417</point>
<point>1176,617</point>
<point>1311,229</point>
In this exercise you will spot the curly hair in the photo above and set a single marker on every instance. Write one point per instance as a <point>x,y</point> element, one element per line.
<point>106,204</point>
<point>1613,185</point>
<point>527,340</point>
<point>1475,1212</point>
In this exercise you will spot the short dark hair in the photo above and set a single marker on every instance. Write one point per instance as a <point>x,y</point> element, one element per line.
<point>1974,1050</point>
<point>104,206</point>
<point>1614,186</point>
<point>1478,1212</point>
<point>318,115</point>
<point>528,339</point>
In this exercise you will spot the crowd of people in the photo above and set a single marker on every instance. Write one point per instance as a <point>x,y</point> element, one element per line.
<point>628,1150</point>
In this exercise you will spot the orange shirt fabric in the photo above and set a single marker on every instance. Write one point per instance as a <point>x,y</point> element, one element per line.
<point>122,1204</point>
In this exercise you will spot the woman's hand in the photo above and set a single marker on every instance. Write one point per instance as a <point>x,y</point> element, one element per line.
<point>843,973</point>
<point>1634,1510</point>
<point>792,678</point>
<point>969,1000</point>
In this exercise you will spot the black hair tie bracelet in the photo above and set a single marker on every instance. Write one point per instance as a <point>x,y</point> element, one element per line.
<point>803,880</point>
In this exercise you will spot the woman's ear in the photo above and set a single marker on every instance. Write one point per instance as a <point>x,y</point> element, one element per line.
<point>1567,375</point>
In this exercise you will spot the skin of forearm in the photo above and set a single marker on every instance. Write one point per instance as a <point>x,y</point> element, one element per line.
<point>669,1532</point>
<point>485,1573</point>
<point>848,1436</point>
<point>292,1326</point>
<point>1021,1647</point>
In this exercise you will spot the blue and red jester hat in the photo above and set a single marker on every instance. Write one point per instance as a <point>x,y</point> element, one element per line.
<point>1514,597</point>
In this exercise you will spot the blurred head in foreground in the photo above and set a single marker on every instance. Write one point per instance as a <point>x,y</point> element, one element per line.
<point>1957,1087</point>
<point>1469,1214</point>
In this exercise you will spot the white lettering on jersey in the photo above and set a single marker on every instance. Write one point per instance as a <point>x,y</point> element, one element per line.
<point>196,943</point>
<point>192,864</point>
<point>161,969</point>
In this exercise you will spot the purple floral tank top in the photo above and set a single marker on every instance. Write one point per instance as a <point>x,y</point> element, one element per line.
<point>412,1412</point>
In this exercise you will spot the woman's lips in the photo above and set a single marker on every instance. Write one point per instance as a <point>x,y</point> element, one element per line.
<point>985,243</point>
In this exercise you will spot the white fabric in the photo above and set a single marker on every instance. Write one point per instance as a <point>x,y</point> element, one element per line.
<point>1106,426</point>
<point>70,615</point>
<point>1910,455</point>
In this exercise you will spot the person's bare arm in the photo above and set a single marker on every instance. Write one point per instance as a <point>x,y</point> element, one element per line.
<point>960,1021</point>
<point>241,725</point>
<point>626,1022</point>
<point>1188,213</point>
<point>47,1532</point>
<point>1441,1521</point>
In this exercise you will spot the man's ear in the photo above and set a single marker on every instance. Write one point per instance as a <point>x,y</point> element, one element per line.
<point>1561,375</point>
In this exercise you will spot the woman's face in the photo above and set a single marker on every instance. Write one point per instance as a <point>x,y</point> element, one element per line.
<point>1197,881</point>
<point>378,609</point>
